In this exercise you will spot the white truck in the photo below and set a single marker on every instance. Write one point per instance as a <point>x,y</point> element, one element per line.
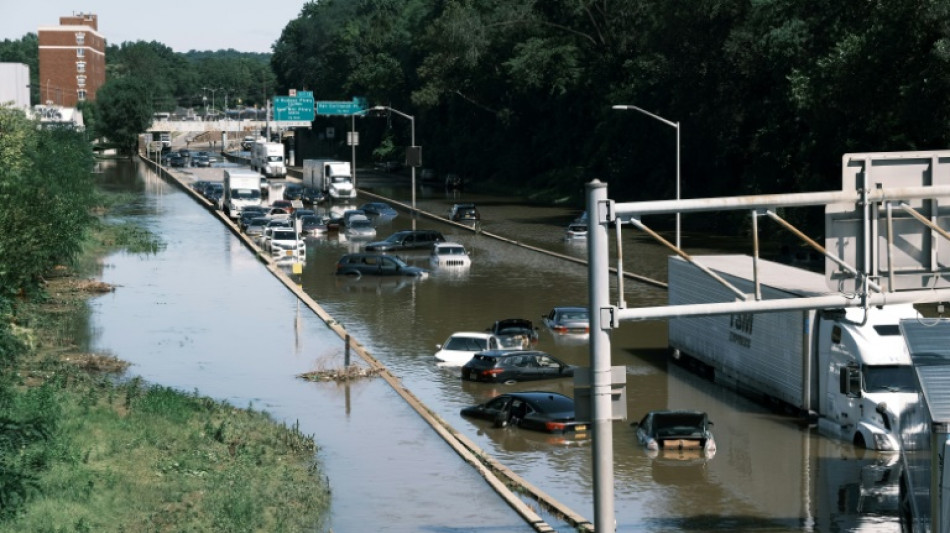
<point>335,178</point>
<point>242,187</point>
<point>848,368</point>
<point>925,429</point>
<point>268,158</point>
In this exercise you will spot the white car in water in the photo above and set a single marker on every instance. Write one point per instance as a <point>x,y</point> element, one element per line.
<point>449,255</point>
<point>284,244</point>
<point>359,227</point>
<point>462,345</point>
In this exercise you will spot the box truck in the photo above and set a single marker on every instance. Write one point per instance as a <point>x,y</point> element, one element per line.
<point>846,368</point>
<point>242,187</point>
<point>268,159</point>
<point>334,178</point>
<point>925,429</point>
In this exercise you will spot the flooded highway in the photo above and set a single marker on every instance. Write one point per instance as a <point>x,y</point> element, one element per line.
<point>205,315</point>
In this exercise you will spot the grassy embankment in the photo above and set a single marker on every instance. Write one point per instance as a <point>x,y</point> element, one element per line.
<point>116,454</point>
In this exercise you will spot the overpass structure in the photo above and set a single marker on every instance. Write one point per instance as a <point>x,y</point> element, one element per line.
<point>226,131</point>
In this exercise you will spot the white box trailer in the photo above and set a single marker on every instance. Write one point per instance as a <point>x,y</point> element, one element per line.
<point>268,158</point>
<point>335,178</point>
<point>242,187</point>
<point>848,368</point>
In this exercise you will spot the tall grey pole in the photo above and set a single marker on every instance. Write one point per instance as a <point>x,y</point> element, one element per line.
<point>353,147</point>
<point>602,452</point>
<point>677,182</point>
<point>412,121</point>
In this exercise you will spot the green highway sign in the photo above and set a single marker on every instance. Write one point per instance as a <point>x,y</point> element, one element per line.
<point>294,108</point>
<point>357,106</point>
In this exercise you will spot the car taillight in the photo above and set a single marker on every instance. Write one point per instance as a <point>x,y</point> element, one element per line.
<point>492,372</point>
<point>555,426</point>
<point>560,329</point>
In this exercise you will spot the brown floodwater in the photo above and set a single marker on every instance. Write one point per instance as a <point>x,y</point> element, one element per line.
<point>205,315</point>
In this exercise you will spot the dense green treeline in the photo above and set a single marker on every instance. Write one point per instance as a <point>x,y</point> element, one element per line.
<point>769,94</point>
<point>170,79</point>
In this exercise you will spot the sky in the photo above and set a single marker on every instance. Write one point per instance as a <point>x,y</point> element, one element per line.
<point>244,25</point>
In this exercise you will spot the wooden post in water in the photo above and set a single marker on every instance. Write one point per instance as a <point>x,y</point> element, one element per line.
<point>346,352</point>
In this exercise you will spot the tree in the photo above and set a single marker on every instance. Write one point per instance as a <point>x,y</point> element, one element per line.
<point>123,111</point>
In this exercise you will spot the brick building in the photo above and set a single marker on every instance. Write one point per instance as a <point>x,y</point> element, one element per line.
<point>72,59</point>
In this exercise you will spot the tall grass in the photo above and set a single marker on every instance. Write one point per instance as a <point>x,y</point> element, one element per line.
<point>84,448</point>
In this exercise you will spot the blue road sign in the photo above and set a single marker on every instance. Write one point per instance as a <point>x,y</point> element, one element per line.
<point>357,106</point>
<point>294,108</point>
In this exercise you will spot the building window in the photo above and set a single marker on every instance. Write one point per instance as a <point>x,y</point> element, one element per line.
<point>81,81</point>
<point>81,93</point>
<point>80,38</point>
<point>80,66</point>
<point>80,52</point>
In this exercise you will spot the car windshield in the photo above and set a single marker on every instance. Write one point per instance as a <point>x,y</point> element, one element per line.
<point>361,223</point>
<point>284,236</point>
<point>889,378</point>
<point>451,250</point>
<point>574,315</point>
<point>467,344</point>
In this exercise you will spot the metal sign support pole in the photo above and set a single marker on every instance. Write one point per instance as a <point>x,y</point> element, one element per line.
<point>601,417</point>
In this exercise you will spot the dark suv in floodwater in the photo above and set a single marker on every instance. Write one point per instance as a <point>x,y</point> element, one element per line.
<point>406,240</point>
<point>361,264</point>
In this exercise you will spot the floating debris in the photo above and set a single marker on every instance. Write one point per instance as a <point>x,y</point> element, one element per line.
<point>347,373</point>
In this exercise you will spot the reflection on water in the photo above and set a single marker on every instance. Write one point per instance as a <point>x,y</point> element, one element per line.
<point>206,315</point>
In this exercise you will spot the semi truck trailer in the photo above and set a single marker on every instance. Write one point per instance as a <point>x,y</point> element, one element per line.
<point>846,369</point>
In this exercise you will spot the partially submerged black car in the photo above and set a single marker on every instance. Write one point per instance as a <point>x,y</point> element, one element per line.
<point>549,412</point>
<point>677,434</point>
<point>511,366</point>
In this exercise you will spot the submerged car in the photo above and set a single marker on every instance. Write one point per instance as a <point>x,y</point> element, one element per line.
<point>511,366</point>
<point>568,320</point>
<point>576,230</point>
<point>371,264</point>
<point>676,434</point>
<point>407,240</point>
<point>515,332</point>
<point>379,211</point>
<point>549,412</point>
<point>313,225</point>
<point>449,255</point>
<point>312,196</point>
<point>462,345</point>
<point>359,227</point>
<point>464,213</point>
<point>285,243</point>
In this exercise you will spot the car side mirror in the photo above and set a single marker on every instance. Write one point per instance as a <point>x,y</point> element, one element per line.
<point>438,346</point>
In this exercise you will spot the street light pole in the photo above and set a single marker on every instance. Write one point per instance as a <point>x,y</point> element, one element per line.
<point>412,124</point>
<point>674,125</point>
